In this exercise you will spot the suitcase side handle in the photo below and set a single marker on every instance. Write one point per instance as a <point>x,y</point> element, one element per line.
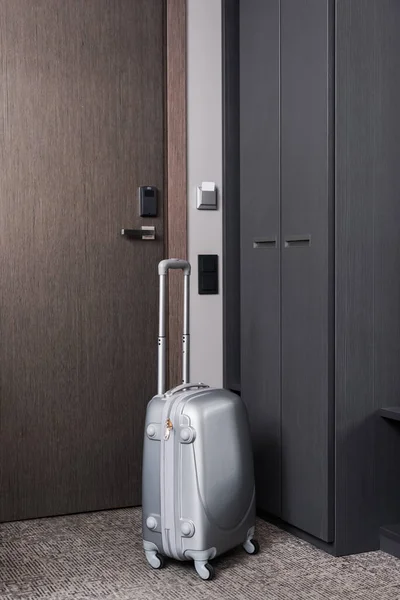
<point>163,268</point>
<point>187,386</point>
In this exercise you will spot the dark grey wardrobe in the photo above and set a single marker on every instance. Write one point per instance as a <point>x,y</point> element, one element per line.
<point>312,252</point>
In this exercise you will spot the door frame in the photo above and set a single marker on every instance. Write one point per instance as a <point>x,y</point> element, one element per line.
<point>231,186</point>
<point>175,221</point>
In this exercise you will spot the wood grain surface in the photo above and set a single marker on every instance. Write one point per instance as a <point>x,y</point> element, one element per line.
<point>367,270</point>
<point>260,219</point>
<point>307,339</point>
<point>81,127</point>
<point>176,175</point>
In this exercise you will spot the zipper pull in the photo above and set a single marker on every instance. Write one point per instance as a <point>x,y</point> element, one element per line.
<point>168,429</point>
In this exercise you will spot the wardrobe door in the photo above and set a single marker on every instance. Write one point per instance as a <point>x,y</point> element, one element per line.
<point>307,284</point>
<point>367,270</point>
<point>260,264</point>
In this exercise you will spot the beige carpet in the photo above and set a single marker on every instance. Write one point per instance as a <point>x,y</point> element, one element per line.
<point>99,556</point>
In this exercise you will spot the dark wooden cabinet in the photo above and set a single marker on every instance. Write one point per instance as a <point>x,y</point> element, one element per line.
<point>260,239</point>
<point>306,100</point>
<point>312,97</point>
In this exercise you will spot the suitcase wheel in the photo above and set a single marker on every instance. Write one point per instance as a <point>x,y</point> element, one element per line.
<point>252,547</point>
<point>204,570</point>
<point>161,560</point>
<point>155,560</point>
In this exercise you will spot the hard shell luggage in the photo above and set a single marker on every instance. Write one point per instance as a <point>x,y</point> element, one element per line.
<point>198,480</point>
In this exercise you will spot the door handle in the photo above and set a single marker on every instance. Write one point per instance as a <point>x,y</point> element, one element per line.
<point>266,242</point>
<point>146,232</point>
<point>297,240</point>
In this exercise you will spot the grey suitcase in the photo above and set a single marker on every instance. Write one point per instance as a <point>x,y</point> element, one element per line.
<point>198,481</point>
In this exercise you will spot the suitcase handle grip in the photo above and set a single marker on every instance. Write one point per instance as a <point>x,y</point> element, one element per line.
<point>163,268</point>
<point>173,263</point>
<point>187,386</point>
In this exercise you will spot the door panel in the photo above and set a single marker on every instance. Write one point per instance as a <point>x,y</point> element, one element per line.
<point>367,270</point>
<point>307,281</point>
<point>81,128</point>
<point>260,241</point>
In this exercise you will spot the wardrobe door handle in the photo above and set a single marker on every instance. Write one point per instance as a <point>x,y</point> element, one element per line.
<point>297,240</point>
<point>267,242</point>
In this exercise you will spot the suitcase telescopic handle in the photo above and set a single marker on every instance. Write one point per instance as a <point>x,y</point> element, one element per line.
<point>163,268</point>
<point>173,263</point>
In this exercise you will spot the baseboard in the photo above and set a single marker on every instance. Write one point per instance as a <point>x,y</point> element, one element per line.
<point>325,546</point>
<point>390,539</point>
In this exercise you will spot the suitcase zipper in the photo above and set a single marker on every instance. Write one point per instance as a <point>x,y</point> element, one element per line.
<point>168,428</point>
<point>170,487</point>
<point>168,482</point>
<point>171,477</point>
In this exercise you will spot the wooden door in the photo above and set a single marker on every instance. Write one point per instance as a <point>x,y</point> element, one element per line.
<point>81,127</point>
<point>307,264</point>
<point>260,241</point>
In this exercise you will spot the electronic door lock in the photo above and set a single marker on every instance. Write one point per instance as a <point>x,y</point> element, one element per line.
<point>147,201</point>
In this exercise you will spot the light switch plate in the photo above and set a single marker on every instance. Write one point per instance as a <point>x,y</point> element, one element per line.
<point>208,273</point>
<point>207,196</point>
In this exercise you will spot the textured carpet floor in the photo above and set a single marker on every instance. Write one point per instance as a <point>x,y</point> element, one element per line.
<point>99,556</point>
